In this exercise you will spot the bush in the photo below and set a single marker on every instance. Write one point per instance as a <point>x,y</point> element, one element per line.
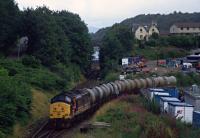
<point>15,99</point>
<point>151,106</point>
<point>31,61</point>
<point>186,79</point>
<point>111,77</point>
<point>42,77</point>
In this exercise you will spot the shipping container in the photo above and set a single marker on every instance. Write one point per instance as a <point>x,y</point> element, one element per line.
<point>173,91</point>
<point>157,97</point>
<point>164,103</point>
<point>125,62</point>
<point>182,111</point>
<point>196,119</point>
<point>153,91</point>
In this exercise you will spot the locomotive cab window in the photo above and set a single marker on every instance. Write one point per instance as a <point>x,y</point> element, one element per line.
<point>67,99</point>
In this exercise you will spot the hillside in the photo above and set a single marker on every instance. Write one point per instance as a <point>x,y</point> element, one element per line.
<point>129,118</point>
<point>164,21</point>
<point>38,51</point>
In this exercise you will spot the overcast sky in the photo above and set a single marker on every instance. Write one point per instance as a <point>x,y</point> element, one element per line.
<point>102,13</point>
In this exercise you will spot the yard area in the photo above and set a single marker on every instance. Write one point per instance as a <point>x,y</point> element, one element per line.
<point>130,119</point>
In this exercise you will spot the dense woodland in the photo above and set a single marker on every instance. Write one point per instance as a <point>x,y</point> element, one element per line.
<point>56,57</point>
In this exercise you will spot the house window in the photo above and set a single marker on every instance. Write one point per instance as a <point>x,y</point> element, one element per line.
<point>153,30</point>
<point>140,30</point>
<point>181,28</point>
<point>141,36</point>
<point>188,28</point>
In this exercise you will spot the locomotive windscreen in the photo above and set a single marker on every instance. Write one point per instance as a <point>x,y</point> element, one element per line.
<point>61,98</point>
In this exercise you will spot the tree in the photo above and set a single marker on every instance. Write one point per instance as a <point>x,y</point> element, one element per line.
<point>47,40</point>
<point>79,38</point>
<point>9,23</point>
<point>117,43</point>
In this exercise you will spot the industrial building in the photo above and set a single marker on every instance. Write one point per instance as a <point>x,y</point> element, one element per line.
<point>185,28</point>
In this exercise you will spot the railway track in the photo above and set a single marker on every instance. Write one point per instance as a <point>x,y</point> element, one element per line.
<point>44,131</point>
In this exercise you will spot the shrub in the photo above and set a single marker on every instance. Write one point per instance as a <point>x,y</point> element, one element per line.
<point>31,61</point>
<point>111,77</point>
<point>15,99</point>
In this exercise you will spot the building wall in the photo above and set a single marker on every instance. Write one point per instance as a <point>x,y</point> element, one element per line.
<point>153,29</point>
<point>181,112</point>
<point>176,30</point>
<point>141,33</point>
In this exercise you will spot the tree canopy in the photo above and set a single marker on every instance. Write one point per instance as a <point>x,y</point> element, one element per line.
<point>117,42</point>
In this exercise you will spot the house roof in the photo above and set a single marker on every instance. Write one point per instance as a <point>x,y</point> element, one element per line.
<point>191,25</point>
<point>146,26</point>
<point>180,104</point>
<point>170,99</point>
<point>156,90</point>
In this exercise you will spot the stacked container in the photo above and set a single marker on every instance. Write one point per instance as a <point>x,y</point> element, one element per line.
<point>164,103</point>
<point>196,119</point>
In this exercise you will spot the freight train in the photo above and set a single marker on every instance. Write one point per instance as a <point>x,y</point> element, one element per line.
<point>68,106</point>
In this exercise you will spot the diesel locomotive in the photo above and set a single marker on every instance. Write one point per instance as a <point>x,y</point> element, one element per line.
<point>68,106</point>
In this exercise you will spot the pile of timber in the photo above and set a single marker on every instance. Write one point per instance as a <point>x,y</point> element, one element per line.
<point>88,126</point>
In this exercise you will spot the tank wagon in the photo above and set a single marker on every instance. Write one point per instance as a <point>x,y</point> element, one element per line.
<point>68,106</point>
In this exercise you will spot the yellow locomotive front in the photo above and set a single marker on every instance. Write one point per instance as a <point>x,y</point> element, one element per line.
<point>66,106</point>
<point>61,110</point>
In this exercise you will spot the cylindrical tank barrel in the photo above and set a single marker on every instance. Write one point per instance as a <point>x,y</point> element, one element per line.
<point>133,84</point>
<point>121,86</point>
<point>118,85</point>
<point>171,81</point>
<point>138,83</point>
<point>92,95</point>
<point>115,87</point>
<point>111,88</point>
<point>107,90</point>
<point>130,87</point>
<point>126,85</point>
<point>100,92</point>
<point>143,83</point>
<point>149,82</point>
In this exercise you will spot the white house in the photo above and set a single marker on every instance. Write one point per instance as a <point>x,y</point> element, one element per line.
<point>153,29</point>
<point>185,28</point>
<point>144,32</point>
<point>164,103</point>
<point>182,111</point>
<point>95,55</point>
<point>141,33</point>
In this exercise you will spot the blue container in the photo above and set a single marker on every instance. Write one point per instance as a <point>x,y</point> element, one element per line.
<point>158,97</point>
<point>196,119</point>
<point>173,91</point>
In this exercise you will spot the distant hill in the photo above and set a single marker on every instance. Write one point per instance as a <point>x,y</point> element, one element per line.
<point>164,22</point>
<point>93,29</point>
